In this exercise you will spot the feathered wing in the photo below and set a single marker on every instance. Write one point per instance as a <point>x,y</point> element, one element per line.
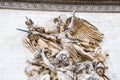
<point>83,30</point>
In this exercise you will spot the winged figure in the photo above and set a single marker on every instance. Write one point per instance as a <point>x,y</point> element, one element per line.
<point>70,51</point>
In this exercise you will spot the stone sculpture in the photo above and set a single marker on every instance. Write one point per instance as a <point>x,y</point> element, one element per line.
<point>71,52</point>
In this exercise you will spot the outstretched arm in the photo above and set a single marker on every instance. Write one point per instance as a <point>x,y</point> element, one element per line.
<point>72,20</point>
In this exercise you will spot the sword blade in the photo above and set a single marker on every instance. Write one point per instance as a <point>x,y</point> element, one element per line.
<point>24,30</point>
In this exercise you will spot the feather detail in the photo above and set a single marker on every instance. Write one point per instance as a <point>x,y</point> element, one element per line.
<point>84,30</point>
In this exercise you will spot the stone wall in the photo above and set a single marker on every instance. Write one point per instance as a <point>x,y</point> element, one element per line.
<point>13,54</point>
<point>106,2</point>
<point>63,5</point>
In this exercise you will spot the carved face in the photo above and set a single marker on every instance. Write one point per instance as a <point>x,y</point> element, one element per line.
<point>62,56</point>
<point>61,28</point>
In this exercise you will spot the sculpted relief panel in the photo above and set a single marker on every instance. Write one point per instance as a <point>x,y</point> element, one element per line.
<point>70,51</point>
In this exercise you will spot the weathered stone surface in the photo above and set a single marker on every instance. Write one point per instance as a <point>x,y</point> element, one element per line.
<point>55,5</point>
<point>15,63</point>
